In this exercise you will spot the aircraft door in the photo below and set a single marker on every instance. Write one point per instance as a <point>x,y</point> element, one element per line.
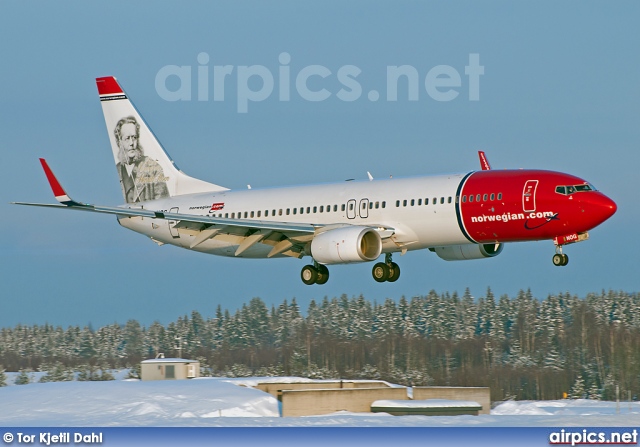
<point>364,208</point>
<point>171,223</point>
<point>529,196</point>
<point>351,209</point>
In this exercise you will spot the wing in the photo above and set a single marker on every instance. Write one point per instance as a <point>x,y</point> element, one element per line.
<point>285,237</point>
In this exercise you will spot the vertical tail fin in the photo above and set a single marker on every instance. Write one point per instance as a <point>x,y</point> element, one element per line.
<point>145,169</point>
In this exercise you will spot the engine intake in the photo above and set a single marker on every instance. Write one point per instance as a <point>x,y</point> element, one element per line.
<point>468,251</point>
<point>346,244</point>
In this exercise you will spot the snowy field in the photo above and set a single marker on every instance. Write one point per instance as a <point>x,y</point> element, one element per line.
<point>220,402</point>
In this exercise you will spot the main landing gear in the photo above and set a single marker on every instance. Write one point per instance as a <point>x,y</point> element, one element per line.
<point>386,271</point>
<point>560,259</point>
<point>382,271</point>
<point>314,274</point>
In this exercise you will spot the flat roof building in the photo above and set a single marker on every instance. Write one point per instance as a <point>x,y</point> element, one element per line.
<point>162,368</point>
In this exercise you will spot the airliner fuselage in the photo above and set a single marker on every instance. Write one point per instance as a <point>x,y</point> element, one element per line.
<point>457,216</point>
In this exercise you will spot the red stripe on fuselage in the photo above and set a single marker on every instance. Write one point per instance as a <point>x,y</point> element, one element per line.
<point>511,209</point>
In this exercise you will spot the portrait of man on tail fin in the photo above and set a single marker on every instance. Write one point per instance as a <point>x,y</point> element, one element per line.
<point>141,177</point>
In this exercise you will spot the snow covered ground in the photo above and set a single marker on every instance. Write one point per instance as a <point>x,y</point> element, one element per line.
<point>219,402</point>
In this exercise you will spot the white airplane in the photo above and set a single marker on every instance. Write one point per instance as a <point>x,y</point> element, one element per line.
<point>458,216</point>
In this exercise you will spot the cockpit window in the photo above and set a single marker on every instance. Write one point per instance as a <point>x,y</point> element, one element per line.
<point>567,190</point>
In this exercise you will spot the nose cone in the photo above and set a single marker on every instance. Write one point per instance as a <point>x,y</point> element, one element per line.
<point>600,207</point>
<point>608,206</point>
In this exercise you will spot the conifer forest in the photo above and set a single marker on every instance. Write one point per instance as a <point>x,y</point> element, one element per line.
<point>522,347</point>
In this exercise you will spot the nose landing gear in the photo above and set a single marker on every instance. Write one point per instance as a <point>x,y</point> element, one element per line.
<point>560,259</point>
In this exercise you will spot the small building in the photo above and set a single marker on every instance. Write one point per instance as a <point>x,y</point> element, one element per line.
<point>162,368</point>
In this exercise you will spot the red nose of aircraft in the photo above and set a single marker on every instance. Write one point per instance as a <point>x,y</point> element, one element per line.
<point>600,207</point>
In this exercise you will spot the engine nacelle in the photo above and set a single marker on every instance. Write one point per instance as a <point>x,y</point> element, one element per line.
<point>468,251</point>
<point>346,244</point>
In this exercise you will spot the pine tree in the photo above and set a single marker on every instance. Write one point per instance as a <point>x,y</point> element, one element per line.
<point>578,389</point>
<point>3,377</point>
<point>56,373</point>
<point>23,378</point>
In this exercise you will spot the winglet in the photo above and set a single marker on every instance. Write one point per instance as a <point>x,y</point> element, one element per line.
<point>56,187</point>
<point>484,162</point>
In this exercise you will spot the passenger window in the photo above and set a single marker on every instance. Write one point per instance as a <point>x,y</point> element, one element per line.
<point>449,199</point>
<point>404,202</point>
<point>499,196</point>
<point>493,196</point>
<point>477,197</point>
<point>288,211</point>
<point>426,201</point>
<point>246,215</point>
<point>295,211</point>
<point>308,210</point>
<point>280,212</point>
<point>464,199</point>
<point>301,210</point>
<point>315,209</point>
<point>485,197</point>
<point>377,205</point>
<point>343,207</point>
<point>413,202</point>
<point>384,204</point>
<point>370,205</point>
<point>321,208</point>
<point>351,206</point>
<point>470,198</point>
<point>441,200</point>
<point>419,202</point>
<point>252,214</point>
<point>397,203</point>
<point>335,208</point>
<point>435,201</point>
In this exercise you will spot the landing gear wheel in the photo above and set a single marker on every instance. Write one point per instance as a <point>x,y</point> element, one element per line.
<point>560,260</point>
<point>380,272</point>
<point>394,272</point>
<point>309,275</point>
<point>323,274</point>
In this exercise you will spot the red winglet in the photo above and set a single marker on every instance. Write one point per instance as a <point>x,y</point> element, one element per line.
<point>108,86</point>
<point>58,191</point>
<point>484,163</point>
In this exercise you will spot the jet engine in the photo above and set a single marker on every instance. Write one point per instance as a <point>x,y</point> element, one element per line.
<point>346,244</point>
<point>468,251</point>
